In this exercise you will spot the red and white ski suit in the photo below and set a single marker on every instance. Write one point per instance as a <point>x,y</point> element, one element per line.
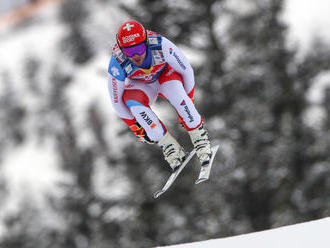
<point>134,89</point>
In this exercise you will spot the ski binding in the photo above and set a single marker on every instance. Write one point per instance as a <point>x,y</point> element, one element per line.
<point>206,169</point>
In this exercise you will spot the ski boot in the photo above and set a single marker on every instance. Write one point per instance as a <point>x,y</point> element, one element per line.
<point>172,150</point>
<point>201,142</point>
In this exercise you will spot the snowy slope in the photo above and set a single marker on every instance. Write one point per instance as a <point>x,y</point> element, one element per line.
<point>305,235</point>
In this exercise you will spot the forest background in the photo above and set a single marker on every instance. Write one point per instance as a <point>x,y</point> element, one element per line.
<point>264,99</point>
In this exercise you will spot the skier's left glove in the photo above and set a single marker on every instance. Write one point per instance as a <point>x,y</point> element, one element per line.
<point>140,133</point>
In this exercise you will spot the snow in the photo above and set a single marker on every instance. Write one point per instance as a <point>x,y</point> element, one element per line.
<point>30,170</point>
<point>316,92</point>
<point>307,20</point>
<point>304,235</point>
<point>315,114</point>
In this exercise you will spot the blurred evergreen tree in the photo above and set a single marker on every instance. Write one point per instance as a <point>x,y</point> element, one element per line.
<point>28,228</point>
<point>263,110</point>
<point>12,114</point>
<point>250,88</point>
<point>252,83</point>
<point>84,213</point>
<point>74,14</point>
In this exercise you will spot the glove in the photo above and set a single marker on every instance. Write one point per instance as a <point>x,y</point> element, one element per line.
<point>140,133</point>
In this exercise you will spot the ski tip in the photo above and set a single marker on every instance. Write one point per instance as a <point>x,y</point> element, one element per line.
<point>215,148</point>
<point>158,193</point>
<point>200,180</point>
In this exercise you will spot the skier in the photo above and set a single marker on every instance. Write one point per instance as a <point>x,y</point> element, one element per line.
<point>145,65</point>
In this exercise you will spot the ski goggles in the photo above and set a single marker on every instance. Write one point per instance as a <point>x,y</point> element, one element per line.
<point>131,51</point>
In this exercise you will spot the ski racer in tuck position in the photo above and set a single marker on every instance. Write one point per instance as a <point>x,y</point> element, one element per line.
<point>145,65</point>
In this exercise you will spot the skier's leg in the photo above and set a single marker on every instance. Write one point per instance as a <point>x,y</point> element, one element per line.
<point>138,103</point>
<point>171,87</point>
<point>138,99</point>
<point>174,92</point>
<point>199,138</point>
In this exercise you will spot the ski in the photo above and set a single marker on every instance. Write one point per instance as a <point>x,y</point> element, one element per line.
<point>174,175</point>
<point>206,169</point>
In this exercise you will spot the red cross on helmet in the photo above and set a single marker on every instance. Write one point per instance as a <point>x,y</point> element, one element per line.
<point>131,33</point>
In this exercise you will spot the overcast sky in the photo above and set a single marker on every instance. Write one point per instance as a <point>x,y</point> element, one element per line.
<point>6,5</point>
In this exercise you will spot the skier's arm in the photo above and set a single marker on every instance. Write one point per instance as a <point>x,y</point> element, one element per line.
<point>116,90</point>
<point>178,61</point>
<point>116,86</point>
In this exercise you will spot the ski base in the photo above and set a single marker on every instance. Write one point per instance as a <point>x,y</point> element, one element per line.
<point>174,175</point>
<point>206,169</point>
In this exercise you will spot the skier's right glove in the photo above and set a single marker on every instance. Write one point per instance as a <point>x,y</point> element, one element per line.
<point>140,133</point>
